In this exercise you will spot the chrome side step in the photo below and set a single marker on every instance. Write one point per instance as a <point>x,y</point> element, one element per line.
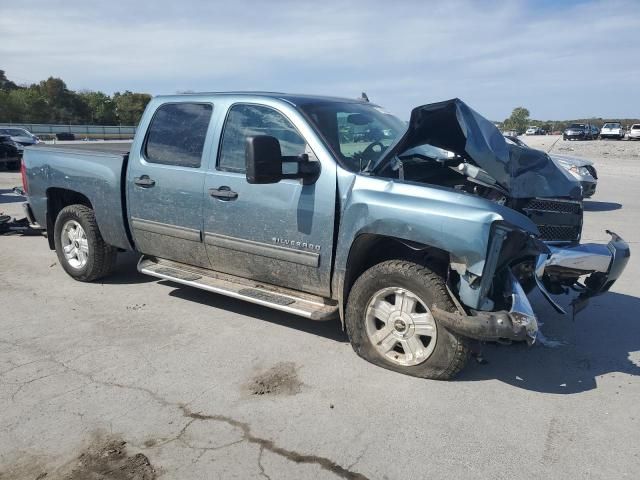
<point>278,298</point>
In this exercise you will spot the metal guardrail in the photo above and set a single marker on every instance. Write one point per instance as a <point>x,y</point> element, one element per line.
<point>92,131</point>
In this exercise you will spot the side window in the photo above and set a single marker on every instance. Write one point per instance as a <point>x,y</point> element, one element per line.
<point>177,133</point>
<point>248,120</point>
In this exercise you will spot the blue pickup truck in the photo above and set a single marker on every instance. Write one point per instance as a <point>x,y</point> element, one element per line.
<point>422,237</point>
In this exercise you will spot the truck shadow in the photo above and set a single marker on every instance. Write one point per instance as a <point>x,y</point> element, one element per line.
<point>126,272</point>
<point>604,339</point>
<point>594,206</point>
<point>328,329</point>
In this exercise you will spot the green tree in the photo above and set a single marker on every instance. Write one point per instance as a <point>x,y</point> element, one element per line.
<point>518,120</point>
<point>130,106</point>
<point>65,106</point>
<point>6,84</point>
<point>102,109</point>
<point>26,105</point>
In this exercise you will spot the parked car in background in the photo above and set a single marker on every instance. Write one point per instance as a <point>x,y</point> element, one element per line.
<point>534,131</point>
<point>579,168</point>
<point>10,153</point>
<point>20,135</point>
<point>634,132</point>
<point>65,136</point>
<point>578,131</point>
<point>612,130</point>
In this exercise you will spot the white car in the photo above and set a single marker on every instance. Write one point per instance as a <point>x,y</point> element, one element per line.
<point>634,132</point>
<point>612,130</point>
<point>532,131</point>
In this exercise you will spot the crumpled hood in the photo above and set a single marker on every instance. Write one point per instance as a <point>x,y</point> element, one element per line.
<point>452,125</point>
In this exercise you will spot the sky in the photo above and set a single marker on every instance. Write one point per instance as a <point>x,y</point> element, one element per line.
<point>559,59</point>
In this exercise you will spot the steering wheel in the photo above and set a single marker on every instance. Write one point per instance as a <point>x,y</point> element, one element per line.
<point>361,159</point>
<point>370,152</point>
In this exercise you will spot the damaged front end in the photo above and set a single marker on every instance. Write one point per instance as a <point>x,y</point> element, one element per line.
<point>493,304</point>
<point>496,306</point>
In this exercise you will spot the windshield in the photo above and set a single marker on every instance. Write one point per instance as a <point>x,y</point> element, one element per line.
<point>357,132</point>
<point>577,125</point>
<point>611,125</point>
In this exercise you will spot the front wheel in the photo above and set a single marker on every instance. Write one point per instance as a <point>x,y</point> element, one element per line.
<point>389,321</point>
<point>79,245</point>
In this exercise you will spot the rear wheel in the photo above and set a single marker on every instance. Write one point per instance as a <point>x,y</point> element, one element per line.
<point>390,324</point>
<point>79,245</point>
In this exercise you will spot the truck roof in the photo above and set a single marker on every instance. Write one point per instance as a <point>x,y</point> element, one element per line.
<point>293,98</point>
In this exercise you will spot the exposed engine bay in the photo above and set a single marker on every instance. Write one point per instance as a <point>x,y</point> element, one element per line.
<point>558,219</point>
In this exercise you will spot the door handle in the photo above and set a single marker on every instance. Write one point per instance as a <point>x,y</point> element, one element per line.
<point>223,193</point>
<point>144,181</point>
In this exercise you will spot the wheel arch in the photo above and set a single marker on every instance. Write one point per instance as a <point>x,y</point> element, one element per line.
<point>369,249</point>
<point>57,199</point>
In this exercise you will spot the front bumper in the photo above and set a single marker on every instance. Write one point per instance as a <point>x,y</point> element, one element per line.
<point>599,265</point>
<point>576,136</point>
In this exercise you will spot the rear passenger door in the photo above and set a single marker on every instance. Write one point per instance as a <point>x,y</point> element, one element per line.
<point>165,182</point>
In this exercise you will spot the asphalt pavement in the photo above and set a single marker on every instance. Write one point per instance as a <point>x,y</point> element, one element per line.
<point>134,374</point>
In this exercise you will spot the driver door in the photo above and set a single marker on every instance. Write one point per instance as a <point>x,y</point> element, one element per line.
<point>281,233</point>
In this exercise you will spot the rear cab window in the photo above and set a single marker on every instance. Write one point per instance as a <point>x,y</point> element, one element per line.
<point>177,133</point>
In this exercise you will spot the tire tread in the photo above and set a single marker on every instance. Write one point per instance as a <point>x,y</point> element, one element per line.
<point>431,281</point>
<point>103,255</point>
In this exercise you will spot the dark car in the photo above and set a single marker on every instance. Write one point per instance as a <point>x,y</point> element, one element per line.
<point>65,136</point>
<point>578,131</point>
<point>10,153</point>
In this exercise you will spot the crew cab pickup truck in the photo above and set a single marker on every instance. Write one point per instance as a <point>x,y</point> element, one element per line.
<point>421,238</point>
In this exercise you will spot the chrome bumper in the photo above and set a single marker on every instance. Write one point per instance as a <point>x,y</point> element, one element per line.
<point>601,264</point>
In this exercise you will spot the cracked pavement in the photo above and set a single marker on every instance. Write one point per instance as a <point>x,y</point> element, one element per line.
<point>167,369</point>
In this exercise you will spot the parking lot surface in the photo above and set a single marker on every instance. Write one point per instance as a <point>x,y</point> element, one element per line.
<point>136,376</point>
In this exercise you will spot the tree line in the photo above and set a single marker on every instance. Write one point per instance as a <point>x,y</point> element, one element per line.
<point>520,121</point>
<point>50,101</point>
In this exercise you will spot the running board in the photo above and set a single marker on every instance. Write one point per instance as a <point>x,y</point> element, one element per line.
<point>278,298</point>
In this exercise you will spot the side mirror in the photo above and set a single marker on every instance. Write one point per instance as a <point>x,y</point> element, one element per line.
<point>263,159</point>
<point>264,162</point>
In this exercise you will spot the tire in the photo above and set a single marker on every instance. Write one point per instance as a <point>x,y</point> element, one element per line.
<point>91,262</point>
<point>439,356</point>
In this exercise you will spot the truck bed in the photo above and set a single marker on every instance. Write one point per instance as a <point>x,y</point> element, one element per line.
<point>99,147</point>
<point>95,175</point>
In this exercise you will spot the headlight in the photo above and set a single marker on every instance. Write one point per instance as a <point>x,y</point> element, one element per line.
<point>584,171</point>
<point>573,169</point>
